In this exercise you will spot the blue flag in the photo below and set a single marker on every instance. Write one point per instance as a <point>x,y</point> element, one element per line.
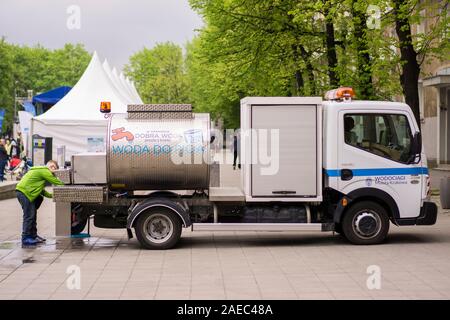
<point>2,115</point>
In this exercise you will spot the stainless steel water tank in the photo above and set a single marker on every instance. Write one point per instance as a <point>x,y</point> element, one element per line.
<point>158,153</point>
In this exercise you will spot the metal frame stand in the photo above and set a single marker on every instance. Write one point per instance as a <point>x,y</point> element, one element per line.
<point>63,220</point>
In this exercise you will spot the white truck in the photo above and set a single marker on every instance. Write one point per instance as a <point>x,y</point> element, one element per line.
<point>308,164</point>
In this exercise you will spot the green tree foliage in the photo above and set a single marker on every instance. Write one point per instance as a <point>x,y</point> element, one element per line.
<point>290,48</point>
<point>263,44</point>
<point>40,69</point>
<point>210,89</point>
<point>415,48</point>
<point>66,66</point>
<point>36,68</point>
<point>6,80</point>
<point>159,74</point>
<point>250,48</point>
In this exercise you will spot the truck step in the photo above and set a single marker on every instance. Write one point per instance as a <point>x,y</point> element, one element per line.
<point>262,227</point>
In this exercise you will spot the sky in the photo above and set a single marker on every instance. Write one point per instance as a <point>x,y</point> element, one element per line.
<point>114,28</point>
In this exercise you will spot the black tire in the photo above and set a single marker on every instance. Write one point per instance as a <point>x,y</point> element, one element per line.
<point>158,229</point>
<point>365,223</point>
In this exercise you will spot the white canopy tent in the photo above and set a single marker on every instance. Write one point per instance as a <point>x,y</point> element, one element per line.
<point>76,121</point>
<point>116,84</point>
<point>130,90</point>
<point>120,84</point>
<point>125,85</point>
<point>134,91</point>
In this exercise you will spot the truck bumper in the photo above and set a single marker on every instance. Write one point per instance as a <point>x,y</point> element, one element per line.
<point>427,217</point>
<point>428,214</point>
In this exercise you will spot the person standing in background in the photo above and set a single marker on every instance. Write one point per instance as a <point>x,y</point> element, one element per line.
<point>15,151</point>
<point>236,149</point>
<point>3,159</point>
<point>20,146</point>
<point>8,146</point>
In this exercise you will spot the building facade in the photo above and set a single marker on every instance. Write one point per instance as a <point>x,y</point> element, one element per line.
<point>435,104</point>
<point>434,94</point>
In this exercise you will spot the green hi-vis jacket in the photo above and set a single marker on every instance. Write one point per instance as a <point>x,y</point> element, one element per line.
<point>32,185</point>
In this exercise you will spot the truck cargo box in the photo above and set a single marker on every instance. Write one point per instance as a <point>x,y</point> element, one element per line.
<point>294,136</point>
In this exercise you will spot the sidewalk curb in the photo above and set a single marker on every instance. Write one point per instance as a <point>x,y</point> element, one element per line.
<point>8,190</point>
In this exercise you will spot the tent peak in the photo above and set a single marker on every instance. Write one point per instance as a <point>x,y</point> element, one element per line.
<point>106,64</point>
<point>95,55</point>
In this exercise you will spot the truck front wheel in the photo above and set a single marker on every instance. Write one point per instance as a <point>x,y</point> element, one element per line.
<point>159,228</point>
<point>365,222</point>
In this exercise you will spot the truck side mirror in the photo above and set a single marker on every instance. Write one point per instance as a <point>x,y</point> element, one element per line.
<point>416,148</point>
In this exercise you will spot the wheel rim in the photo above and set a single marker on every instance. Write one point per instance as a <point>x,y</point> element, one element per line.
<point>158,228</point>
<point>367,224</point>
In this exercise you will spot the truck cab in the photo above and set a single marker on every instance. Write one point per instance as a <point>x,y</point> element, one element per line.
<point>373,155</point>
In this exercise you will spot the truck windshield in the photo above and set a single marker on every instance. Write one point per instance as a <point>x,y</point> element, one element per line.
<point>386,135</point>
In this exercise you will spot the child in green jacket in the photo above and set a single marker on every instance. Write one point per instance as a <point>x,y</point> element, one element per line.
<point>30,192</point>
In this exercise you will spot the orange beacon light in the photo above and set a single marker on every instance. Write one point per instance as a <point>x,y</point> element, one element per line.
<point>340,94</point>
<point>105,107</point>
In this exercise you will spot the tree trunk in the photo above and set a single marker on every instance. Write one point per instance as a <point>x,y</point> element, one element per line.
<point>409,77</point>
<point>299,82</point>
<point>364,63</point>
<point>309,70</point>
<point>331,49</point>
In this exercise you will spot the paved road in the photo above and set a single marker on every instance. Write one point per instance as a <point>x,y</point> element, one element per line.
<point>414,263</point>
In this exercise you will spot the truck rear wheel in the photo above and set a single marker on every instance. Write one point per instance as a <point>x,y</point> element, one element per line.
<point>365,222</point>
<point>159,228</point>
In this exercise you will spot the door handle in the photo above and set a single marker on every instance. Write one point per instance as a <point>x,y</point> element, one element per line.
<point>346,174</point>
<point>284,192</point>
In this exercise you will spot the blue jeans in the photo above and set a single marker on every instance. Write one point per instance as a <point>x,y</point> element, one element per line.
<point>29,226</point>
<point>2,169</point>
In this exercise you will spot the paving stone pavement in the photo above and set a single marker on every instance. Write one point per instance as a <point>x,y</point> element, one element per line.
<point>414,264</point>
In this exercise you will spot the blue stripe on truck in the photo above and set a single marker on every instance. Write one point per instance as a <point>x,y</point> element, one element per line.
<point>380,172</point>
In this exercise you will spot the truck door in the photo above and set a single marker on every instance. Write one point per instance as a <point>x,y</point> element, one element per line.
<point>374,149</point>
<point>296,175</point>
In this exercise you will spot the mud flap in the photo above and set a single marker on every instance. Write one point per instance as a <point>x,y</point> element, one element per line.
<point>130,233</point>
